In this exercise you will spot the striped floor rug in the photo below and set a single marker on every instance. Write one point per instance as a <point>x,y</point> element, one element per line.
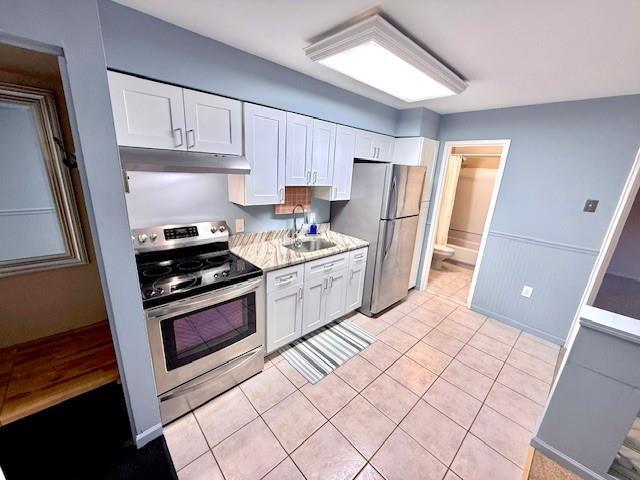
<point>322,351</point>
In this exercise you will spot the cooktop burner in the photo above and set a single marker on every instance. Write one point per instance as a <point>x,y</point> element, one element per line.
<point>175,262</point>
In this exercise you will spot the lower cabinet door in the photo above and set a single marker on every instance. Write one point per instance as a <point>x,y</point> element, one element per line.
<point>284,317</point>
<point>335,293</point>
<point>355,287</point>
<point>313,315</point>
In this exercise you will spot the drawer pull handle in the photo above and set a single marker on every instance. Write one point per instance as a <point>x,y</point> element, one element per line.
<point>284,280</point>
<point>300,293</point>
<point>328,265</point>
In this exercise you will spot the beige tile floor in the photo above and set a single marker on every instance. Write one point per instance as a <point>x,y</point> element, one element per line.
<point>444,393</point>
<point>452,282</point>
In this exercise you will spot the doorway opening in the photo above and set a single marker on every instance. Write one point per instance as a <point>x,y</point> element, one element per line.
<point>467,190</point>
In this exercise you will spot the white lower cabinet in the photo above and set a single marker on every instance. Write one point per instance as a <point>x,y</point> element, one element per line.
<point>313,310</point>
<point>355,281</point>
<point>305,297</point>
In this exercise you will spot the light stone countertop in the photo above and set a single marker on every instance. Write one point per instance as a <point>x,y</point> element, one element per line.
<point>272,254</point>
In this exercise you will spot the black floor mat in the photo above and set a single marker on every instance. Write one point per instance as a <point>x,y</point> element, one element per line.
<point>87,437</point>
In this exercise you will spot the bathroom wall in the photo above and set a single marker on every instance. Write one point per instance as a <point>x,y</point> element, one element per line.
<point>560,155</point>
<point>38,304</point>
<point>626,257</point>
<point>471,205</point>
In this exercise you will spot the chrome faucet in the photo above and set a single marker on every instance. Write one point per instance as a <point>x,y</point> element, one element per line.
<point>296,231</point>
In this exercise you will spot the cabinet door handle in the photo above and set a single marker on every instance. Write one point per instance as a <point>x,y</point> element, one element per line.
<point>324,283</point>
<point>352,274</point>
<point>307,177</point>
<point>192,143</point>
<point>281,194</point>
<point>315,176</point>
<point>335,192</point>
<point>300,293</point>
<point>179,130</point>
<point>331,281</point>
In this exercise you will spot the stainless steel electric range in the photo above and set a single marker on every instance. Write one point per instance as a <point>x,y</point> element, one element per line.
<point>205,313</point>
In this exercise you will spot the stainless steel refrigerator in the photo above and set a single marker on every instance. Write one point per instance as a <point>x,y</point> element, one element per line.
<point>383,210</point>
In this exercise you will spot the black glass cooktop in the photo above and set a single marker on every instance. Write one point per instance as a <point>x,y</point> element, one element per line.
<point>169,276</point>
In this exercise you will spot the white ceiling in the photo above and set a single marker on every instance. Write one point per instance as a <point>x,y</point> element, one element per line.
<point>512,52</point>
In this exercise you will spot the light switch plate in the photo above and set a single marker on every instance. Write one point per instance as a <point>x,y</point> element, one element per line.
<point>239,225</point>
<point>526,291</point>
<point>590,205</point>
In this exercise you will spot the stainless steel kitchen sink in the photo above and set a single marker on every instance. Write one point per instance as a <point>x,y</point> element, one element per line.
<point>309,244</point>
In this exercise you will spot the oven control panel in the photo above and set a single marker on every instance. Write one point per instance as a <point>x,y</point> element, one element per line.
<point>165,237</point>
<point>180,232</point>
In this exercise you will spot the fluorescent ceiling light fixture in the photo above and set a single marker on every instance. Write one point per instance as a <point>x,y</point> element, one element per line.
<point>374,52</point>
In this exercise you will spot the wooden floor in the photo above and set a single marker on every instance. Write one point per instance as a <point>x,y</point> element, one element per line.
<point>44,372</point>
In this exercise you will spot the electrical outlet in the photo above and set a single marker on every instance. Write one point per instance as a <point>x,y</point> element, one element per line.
<point>526,291</point>
<point>239,225</point>
<point>590,205</point>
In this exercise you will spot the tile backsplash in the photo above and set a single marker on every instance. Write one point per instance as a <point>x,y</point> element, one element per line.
<point>292,197</point>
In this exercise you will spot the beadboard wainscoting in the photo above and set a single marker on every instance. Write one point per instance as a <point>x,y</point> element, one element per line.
<point>512,261</point>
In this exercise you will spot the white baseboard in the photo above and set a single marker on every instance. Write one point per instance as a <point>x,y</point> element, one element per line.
<point>148,435</point>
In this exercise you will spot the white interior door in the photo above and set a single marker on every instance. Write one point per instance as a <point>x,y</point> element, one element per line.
<point>147,114</point>
<point>299,149</point>
<point>265,133</point>
<point>343,163</point>
<point>324,147</point>
<point>214,124</point>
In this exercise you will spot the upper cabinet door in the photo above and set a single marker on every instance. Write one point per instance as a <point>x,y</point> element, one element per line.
<point>299,148</point>
<point>343,163</point>
<point>324,147</point>
<point>265,133</point>
<point>147,114</point>
<point>214,124</point>
<point>365,145</point>
<point>384,148</point>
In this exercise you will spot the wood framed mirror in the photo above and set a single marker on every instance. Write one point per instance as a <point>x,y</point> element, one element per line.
<point>39,224</point>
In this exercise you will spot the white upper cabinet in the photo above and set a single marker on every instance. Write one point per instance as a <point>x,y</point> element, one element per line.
<point>373,146</point>
<point>299,149</point>
<point>264,146</point>
<point>324,146</point>
<point>311,145</point>
<point>213,123</point>
<point>384,146</point>
<point>147,114</point>
<point>156,115</point>
<point>343,163</point>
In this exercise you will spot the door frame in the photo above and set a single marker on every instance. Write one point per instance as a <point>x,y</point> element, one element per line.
<point>609,243</point>
<point>444,163</point>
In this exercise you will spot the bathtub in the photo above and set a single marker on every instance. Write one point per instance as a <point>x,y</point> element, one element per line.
<point>466,247</point>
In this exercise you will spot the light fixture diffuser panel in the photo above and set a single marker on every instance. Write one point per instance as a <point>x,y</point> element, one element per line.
<point>377,54</point>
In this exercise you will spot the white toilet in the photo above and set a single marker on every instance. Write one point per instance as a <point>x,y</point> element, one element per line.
<point>441,253</point>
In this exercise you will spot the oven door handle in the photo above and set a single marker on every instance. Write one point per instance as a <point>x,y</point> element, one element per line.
<point>207,377</point>
<point>203,300</point>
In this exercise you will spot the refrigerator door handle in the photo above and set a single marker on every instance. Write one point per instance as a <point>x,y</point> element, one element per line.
<point>388,239</point>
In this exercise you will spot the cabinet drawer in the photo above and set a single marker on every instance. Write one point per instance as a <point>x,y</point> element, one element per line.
<point>322,266</point>
<point>358,257</point>
<point>285,278</point>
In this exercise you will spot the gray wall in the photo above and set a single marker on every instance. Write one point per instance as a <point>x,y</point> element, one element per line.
<point>141,44</point>
<point>560,155</point>
<point>417,122</point>
<point>159,199</point>
<point>73,25</point>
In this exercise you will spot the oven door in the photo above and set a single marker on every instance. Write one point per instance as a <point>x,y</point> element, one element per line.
<point>195,335</point>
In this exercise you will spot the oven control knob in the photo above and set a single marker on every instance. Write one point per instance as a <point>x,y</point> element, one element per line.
<point>142,237</point>
<point>216,275</point>
<point>221,228</point>
<point>153,236</point>
<point>225,273</point>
